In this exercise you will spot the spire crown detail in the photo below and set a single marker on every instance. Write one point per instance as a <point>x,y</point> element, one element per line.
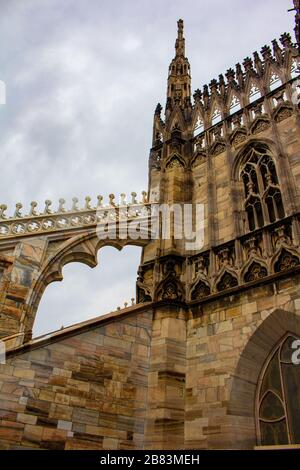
<point>179,80</point>
<point>180,41</point>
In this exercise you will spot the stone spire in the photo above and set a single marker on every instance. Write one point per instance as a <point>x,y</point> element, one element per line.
<point>179,80</point>
<point>180,41</point>
<point>297,21</point>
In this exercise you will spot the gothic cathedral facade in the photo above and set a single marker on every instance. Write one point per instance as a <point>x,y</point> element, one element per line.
<point>204,359</point>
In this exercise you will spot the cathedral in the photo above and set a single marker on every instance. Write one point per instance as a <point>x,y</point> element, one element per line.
<point>208,357</point>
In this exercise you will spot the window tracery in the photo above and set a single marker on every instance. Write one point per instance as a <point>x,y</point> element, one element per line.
<point>278,397</point>
<point>263,201</point>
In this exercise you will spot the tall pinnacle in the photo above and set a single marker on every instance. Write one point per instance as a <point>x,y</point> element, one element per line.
<point>297,21</point>
<point>180,43</point>
<point>179,80</point>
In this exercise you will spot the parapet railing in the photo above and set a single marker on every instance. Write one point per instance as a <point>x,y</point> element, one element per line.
<point>49,220</point>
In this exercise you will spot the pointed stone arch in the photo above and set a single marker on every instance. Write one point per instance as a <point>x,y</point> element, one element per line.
<point>227,279</point>
<point>260,124</point>
<point>217,148</point>
<point>254,270</point>
<point>241,155</point>
<point>216,115</point>
<point>170,289</point>
<point>238,136</point>
<point>245,379</point>
<point>176,117</point>
<point>198,158</point>
<point>285,258</point>
<point>234,101</point>
<point>200,289</point>
<point>175,161</point>
<point>81,249</point>
<point>283,111</point>
<point>253,89</point>
<point>273,76</point>
<point>198,121</point>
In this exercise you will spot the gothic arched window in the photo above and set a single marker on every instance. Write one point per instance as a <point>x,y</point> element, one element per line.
<point>263,201</point>
<point>278,396</point>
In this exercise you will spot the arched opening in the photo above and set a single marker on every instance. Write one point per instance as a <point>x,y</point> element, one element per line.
<point>263,200</point>
<point>86,293</point>
<point>255,376</point>
<point>216,117</point>
<point>275,82</point>
<point>235,105</point>
<point>254,93</point>
<point>199,126</point>
<point>278,396</point>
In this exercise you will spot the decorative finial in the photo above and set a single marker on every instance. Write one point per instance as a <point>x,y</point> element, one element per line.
<point>144,197</point>
<point>18,210</point>
<point>180,28</point>
<point>47,209</point>
<point>61,205</point>
<point>111,200</point>
<point>74,205</point>
<point>3,208</point>
<point>33,206</point>
<point>100,201</point>
<point>123,199</point>
<point>179,45</point>
<point>158,109</point>
<point>297,21</point>
<point>87,203</point>
<point>133,198</point>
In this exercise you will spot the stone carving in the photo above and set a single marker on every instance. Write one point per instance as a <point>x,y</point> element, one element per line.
<point>218,148</point>
<point>252,246</point>
<point>260,125</point>
<point>286,261</point>
<point>61,207</point>
<point>238,136</point>
<point>174,163</point>
<point>225,257</point>
<point>227,281</point>
<point>170,287</point>
<point>47,209</point>
<point>170,291</point>
<point>283,113</point>
<point>3,208</point>
<point>200,291</point>
<point>144,284</point>
<point>18,213</point>
<point>37,223</point>
<point>255,271</point>
<point>281,236</point>
<point>201,265</point>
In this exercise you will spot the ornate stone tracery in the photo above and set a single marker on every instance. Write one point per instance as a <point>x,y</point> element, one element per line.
<point>286,260</point>
<point>255,272</point>
<point>227,281</point>
<point>263,200</point>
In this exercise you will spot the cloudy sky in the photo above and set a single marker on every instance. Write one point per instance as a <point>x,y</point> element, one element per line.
<point>83,78</point>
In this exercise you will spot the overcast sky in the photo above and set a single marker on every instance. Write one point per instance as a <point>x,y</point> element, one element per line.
<point>83,78</point>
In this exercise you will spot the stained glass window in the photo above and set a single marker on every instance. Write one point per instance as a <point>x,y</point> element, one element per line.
<point>278,400</point>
